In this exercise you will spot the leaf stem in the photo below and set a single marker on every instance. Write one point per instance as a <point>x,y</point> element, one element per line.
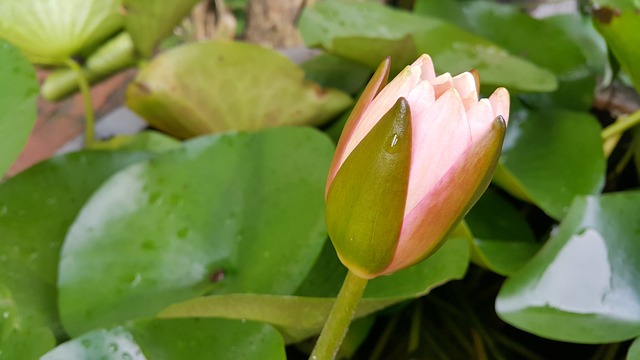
<point>621,125</point>
<point>89,116</point>
<point>339,319</point>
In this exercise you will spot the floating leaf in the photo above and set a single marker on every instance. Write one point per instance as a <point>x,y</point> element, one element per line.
<point>548,161</point>
<point>369,32</point>
<point>238,86</point>
<point>150,21</point>
<point>231,213</point>
<point>299,317</point>
<point>51,31</point>
<point>502,240</point>
<point>18,95</point>
<point>27,344</point>
<point>621,30</point>
<point>564,44</point>
<point>37,207</point>
<point>191,339</point>
<point>584,285</point>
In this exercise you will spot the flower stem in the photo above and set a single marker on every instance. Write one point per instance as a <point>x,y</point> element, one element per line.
<point>621,125</point>
<point>339,319</point>
<point>89,117</point>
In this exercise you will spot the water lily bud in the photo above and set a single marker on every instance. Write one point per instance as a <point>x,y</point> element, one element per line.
<point>413,158</point>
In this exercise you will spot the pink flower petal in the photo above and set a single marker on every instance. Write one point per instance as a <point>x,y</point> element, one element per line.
<point>442,83</point>
<point>466,86</point>
<point>440,134</point>
<point>480,116</point>
<point>500,103</point>
<point>425,64</point>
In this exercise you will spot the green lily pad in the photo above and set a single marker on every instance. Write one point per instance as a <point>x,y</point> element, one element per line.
<point>238,212</point>
<point>27,344</point>
<point>502,240</point>
<point>18,95</point>
<point>335,72</point>
<point>36,208</point>
<point>583,286</point>
<point>238,86</point>
<point>564,44</point>
<point>546,161</point>
<point>634,350</point>
<point>50,32</point>
<point>150,21</point>
<point>298,317</point>
<point>175,339</point>
<point>368,32</point>
<point>621,30</point>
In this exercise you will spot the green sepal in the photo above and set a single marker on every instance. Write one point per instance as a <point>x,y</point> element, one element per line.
<point>365,202</point>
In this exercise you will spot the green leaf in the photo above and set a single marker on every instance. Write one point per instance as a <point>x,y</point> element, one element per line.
<point>299,317</point>
<point>549,160</point>
<point>634,350</point>
<point>369,32</point>
<point>112,56</point>
<point>584,285</point>
<point>365,202</point>
<point>502,240</point>
<point>565,44</point>
<point>49,32</point>
<point>238,212</point>
<point>27,344</point>
<point>334,72</point>
<point>36,208</point>
<point>150,21</point>
<point>621,30</point>
<point>18,95</point>
<point>192,339</point>
<point>230,91</point>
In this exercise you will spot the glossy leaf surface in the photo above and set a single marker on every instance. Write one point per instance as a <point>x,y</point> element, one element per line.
<point>368,32</point>
<point>238,212</point>
<point>302,316</point>
<point>583,285</point>
<point>36,209</point>
<point>548,161</point>
<point>175,339</point>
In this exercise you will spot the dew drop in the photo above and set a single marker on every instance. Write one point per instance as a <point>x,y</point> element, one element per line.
<point>86,343</point>
<point>126,356</point>
<point>113,347</point>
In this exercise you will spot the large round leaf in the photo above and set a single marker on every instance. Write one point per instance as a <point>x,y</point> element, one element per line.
<point>550,157</point>
<point>368,32</point>
<point>299,317</point>
<point>51,31</point>
<point>584,285</point>
<point>565,44</point>
<point>36,209</point>
<point>18,94</point>
<point>191,339</point>
<point>238,86</point>
<point>230,213</point>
